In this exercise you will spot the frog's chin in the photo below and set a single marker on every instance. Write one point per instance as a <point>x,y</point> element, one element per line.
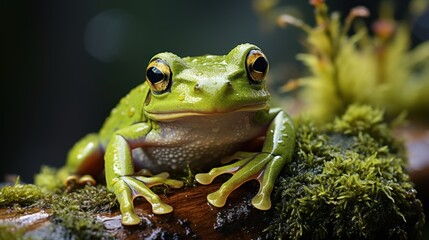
<point>171,116</point>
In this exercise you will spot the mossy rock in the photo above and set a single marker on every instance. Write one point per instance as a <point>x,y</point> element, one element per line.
<point>347,180</point>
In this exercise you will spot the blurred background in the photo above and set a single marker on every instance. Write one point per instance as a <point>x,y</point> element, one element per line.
<point>65,64</point>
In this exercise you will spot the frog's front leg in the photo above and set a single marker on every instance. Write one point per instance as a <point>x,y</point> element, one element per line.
<point>263,166</point>
<point>122,179</point>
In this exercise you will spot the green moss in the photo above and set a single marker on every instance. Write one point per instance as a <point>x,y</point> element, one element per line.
<point>48,179</point>
<point>347,181</point>
<point>22,194</point>
<point>73,211</point>
<point>187,176</point>
<point>9,231</point>
<point>76,210</point>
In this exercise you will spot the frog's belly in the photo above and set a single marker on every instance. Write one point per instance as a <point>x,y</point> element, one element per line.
<point>175,158</point>
<point>198,142</point>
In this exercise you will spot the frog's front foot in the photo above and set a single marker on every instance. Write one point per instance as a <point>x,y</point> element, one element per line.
<point>263,167</point>
<point>74,180</point>
<point>127,188</point>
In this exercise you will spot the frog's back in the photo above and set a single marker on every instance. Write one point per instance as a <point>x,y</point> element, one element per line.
<point>128,111</point>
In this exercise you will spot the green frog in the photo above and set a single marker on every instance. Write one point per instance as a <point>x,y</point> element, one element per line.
<point>203,112</point>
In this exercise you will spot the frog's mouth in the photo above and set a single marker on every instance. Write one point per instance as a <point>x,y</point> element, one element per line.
<point>170,116</point>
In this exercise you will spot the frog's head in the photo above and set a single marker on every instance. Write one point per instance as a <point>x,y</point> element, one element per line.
<point>206,85</point>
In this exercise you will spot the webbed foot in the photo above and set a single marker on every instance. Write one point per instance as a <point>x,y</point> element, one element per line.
<point>127,188</point>
<point>263,167</point>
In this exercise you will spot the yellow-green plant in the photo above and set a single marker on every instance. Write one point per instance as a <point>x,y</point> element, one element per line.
<point>379,70</point>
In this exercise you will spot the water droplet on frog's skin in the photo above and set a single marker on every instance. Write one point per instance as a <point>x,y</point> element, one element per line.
<point>124,101</point>
<point>131,111</point>
<point>181,97</point>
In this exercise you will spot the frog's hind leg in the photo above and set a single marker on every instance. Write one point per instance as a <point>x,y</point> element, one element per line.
<point>84,161</point>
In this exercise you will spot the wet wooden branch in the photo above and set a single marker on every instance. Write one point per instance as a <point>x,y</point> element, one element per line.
<point>193,217</point>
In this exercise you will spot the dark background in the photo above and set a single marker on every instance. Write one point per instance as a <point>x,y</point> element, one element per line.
<point>65,64</point>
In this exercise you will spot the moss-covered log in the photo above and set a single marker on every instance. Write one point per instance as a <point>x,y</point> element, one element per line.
<point>347,180</point>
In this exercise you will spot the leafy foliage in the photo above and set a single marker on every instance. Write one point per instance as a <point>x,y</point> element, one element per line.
<point>379,70</point>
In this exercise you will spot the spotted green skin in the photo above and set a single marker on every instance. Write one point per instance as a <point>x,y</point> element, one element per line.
<point>211,113</point>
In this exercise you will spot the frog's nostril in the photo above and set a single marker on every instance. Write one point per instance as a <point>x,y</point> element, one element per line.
<point>197,87</point>
<point>228,86</point>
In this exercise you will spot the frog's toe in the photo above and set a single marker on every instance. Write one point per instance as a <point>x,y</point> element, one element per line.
<point>140,186</point>
<point>238,155</point>
<point>174,183</point>
<point>207,178</point>
<point>130,218</point>
<point>87,180</point>
<point>204,178</point>
<point>73,181</point>
<point>262,167</point>
<point>217,199</point>
<point>161,208</point>
<point>70,181</point>
<point>261,202</point>
<point>159,180</point>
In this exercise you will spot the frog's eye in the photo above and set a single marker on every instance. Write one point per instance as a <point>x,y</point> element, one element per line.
<point>256,65</point>
<point>158,76</point>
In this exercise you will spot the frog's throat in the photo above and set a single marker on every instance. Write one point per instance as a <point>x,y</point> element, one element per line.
<point>170,116</point>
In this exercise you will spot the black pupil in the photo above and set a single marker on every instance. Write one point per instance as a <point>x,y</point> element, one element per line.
<point>154,75</point>
<point>260,64</point>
